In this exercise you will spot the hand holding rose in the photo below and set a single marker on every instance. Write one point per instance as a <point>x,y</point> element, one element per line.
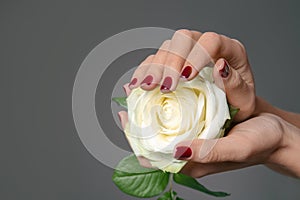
<point>158,121</point>
<point>187,53</point>
<point>271,139</point>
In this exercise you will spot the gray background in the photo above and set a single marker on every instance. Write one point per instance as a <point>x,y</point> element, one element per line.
<point>42,45</point>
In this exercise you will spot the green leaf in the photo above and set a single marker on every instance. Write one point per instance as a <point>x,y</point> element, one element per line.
<point>193,183</point>
<point>121,101</point>
<point>233,111</point>
<point>138,181</point>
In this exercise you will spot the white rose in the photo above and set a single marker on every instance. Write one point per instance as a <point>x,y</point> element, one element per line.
<point>158,121</point>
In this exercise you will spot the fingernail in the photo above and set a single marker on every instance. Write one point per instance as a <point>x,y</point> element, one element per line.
<point>133,82</point>
<point>183,152</point>
<point>165,87</point>
<point>148,80</point>
<point>224,71</point>
<point>186,72</point>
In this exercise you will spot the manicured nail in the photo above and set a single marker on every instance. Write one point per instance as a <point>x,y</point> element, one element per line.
<point>186,72</point>
<point>133,82</point>
<point>183,152</point>
<point>224,71</point>
<point>165,87</point>
<point>148,80</point>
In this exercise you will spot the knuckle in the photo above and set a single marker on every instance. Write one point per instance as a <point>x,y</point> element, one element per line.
<point>215,42</point>
<point>274,121</point>
<point>165,46</point>
<point>183,31</point>
<point>211,36</point>
<point>240,45</point>
<point>166,43</point>
<point>150,57</point>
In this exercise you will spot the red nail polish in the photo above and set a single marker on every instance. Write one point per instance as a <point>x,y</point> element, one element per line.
<point>183,152</point>
<point>165,87</point>
<point>186,72</point>
<point>133,82</point>
<point>148,80</point>
<point>224,72</point>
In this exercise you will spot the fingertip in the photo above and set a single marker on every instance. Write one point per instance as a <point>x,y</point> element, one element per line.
<point>149,83</point>
<point>218,80</point>
<point>126,89</point>
<point>183,150</point>
<point>224,69</point>
<point>133,83</point>
<point>188,72</point>
<point>123,117</point>
<point>169,83</point>
<point>183,153</point>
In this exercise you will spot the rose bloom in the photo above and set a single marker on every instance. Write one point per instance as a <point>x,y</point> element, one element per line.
<point>158,121</point>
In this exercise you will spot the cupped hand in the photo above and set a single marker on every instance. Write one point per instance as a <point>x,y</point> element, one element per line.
<point>259,140</point>
<point>187,53</point>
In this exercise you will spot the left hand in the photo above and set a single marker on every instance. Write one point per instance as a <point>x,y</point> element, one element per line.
<point>187,53</point>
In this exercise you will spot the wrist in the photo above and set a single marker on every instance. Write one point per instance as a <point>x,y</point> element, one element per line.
<point>285,159</point>
<point>262,106</point>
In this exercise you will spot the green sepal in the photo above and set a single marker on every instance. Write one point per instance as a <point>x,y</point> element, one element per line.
<point>121,101</point>
<point>233,112</point>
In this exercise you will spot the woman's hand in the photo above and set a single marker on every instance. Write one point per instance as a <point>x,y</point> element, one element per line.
<point>187,53</point>
<point>266,139</point>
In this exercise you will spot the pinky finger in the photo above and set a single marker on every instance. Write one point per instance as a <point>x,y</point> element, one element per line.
<point>123,117</point>
<point>139,73</point>
<point>127,90</point>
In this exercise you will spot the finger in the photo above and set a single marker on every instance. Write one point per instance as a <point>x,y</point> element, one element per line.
<point>212,46</point>
<point>211,151</point>
<point>139,73</point>
<point>196,35</point>
<point>235,87</point>
<point>153,75</point>
<point>126,89</point>
<point>187,67</point>
<point>198,170</point>
<point>123,117</point>
<point>180,46</point>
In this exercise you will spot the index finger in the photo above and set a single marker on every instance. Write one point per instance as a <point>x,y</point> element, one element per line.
<point>210,47</point>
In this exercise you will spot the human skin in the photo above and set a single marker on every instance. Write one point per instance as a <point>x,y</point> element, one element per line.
<point>266,135</point>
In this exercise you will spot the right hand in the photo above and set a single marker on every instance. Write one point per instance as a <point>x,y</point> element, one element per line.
<point>190,51</point>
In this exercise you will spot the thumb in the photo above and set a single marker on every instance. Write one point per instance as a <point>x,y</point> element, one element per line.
<point>209,151</point>
<point>230,81</point>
